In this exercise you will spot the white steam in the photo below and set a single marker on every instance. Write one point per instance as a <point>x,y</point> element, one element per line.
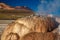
<point>51,7</point>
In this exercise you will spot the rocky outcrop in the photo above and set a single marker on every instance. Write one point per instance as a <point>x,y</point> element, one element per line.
<point>22,7</point>
<point>39,36</point>
<point>27,25</point>
<point>5,6</point>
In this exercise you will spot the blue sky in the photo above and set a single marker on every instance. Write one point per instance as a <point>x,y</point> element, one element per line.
<point>44,6</point>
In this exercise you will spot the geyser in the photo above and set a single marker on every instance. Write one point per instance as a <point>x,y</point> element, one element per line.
<point>26,25</point>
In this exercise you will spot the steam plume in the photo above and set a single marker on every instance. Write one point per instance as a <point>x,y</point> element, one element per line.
<point>51,7</point>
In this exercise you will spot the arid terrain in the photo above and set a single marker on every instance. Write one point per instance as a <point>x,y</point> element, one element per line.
<point>8,12</point>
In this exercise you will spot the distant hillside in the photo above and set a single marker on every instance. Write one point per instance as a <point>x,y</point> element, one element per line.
<point>7,12</point>
<point>7,7</point>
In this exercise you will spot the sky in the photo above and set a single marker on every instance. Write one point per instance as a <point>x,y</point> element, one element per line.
<point>39,6</point>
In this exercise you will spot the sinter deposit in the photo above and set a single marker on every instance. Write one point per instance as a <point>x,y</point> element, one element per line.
<point>25,25</point>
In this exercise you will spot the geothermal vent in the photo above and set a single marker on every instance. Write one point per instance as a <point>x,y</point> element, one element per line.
<point>23,26</point>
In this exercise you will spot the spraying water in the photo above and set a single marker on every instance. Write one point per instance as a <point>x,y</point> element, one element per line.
<point>49,7</point>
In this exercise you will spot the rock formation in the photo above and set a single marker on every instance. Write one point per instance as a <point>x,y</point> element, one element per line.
<point>22,7</point>
<point>29,24</point>
<point>39,36</point>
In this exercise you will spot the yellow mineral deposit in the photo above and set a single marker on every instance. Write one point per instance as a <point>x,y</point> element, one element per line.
<point>26,25</point>
<point>39,36</point>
